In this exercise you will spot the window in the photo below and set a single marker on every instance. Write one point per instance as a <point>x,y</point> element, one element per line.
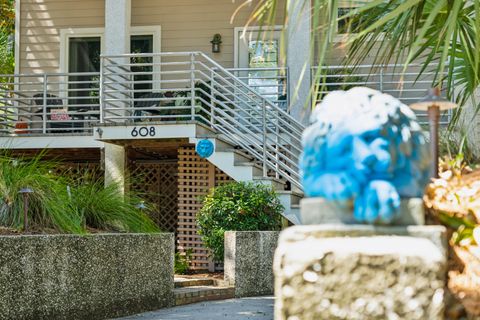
<point>80,50</point>
<point>143,81</point>
<point>83,56</point>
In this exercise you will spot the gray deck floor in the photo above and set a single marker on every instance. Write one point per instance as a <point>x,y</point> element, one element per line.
<point>259,308</point>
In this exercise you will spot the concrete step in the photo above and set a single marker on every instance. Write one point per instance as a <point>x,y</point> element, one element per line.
<point>189,282</point>
<point>277,184</point>
<point>195,294</point>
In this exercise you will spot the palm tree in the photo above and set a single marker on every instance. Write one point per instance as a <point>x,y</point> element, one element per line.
<point>446,32</point>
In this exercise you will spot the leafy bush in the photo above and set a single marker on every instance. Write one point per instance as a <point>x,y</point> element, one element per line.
<point>64,205</point>
<point>237,206</point>
<point>182,261</point>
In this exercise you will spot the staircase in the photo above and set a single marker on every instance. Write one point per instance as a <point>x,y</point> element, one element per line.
<point>192,290</point>
<point>255,139</point>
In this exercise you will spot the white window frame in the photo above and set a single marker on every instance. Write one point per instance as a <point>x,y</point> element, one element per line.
<point>237,37</point>
<point>66,34</point>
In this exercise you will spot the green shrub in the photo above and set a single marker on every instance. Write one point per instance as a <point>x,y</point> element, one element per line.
<point>237,206</point>
<point>182,262</point>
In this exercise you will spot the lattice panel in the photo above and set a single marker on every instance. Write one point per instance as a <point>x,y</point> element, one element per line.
<point>195,177</point>
<point>157,181</point>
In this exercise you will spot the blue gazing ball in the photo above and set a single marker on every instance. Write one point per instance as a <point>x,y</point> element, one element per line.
<point>205,148</point>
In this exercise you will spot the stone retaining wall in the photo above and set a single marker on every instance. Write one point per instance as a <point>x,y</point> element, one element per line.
<point>248,261</point>
<point>85,277</point>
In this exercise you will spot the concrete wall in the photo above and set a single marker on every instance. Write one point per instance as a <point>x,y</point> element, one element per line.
<point>84,277</point>
<point>248,261</point>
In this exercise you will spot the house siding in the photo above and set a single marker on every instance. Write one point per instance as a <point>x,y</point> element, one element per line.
<point>40,25</point>
<point>187,25</point>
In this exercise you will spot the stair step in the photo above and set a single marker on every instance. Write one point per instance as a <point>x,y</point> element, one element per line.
<point>188,282</point>
<point>195,294</point>
<point>276,183</point>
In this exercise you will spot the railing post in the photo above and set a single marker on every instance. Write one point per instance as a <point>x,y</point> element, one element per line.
<point>192,83</point>
<point>381,79</point>
<point>213,100</point>
<point>44,111</point>
<point>101,88</point>
<point>264,147</point>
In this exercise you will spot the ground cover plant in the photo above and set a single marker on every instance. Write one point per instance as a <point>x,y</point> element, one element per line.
<point>237,206</point>
<point>58,204</point>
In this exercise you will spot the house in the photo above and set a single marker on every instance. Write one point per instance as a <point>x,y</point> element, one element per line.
<point>130,86</point>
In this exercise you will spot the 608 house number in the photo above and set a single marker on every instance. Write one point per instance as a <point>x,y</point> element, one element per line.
<point>143,132</point>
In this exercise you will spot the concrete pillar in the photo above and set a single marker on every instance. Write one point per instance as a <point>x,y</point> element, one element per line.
<point>115,165</point>
<point>117,42</point>
<point>298,58</point>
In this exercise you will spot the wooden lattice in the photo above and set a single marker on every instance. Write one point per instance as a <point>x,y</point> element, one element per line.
<point>195,177</point>
<point>157,181</point>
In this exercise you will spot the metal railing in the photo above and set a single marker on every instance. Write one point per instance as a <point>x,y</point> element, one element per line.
<point>49,103</point>
<point>406,86</point>
<point>271,83</point>
<point>190,86</point>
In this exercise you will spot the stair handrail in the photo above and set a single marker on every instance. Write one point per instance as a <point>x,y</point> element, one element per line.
<point>259,126</point>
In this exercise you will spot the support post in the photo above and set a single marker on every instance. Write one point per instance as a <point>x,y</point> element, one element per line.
<point>117,43</point>
<point>433,119</point>
<point>44,111</point>
<point>298,58</point>
<point>115,166</point>
<point>192,84</point>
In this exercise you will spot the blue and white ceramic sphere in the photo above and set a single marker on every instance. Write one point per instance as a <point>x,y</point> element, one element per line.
<point>205,148</point>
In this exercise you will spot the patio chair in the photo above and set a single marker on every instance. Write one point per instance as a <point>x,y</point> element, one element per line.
<point>154,101</point>
<point>56,111</point>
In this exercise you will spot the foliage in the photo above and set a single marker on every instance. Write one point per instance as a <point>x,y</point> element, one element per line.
<point>182,261</point>
<point>454,200</point>
<point>7,28</point>
<point>106,208</point>
<point>237,206</point>
<point>7,60</point>
<point>458,148</point>
<point>61,204</point>
<point>443,35</point>
<point>7,15</point>
<point>48,204</point>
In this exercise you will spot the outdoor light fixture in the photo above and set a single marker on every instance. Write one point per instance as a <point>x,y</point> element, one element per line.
<point>216,42</point>
<point>433,104</point>
<point>141,205</point>
<point>25,192</point>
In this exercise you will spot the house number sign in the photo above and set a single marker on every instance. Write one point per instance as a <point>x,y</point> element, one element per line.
<point>143,132</point>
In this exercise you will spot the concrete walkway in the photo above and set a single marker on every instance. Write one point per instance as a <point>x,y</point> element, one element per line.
<point>259,308</point>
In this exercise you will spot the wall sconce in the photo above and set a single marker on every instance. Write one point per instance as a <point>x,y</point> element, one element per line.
<point>216,42</point>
